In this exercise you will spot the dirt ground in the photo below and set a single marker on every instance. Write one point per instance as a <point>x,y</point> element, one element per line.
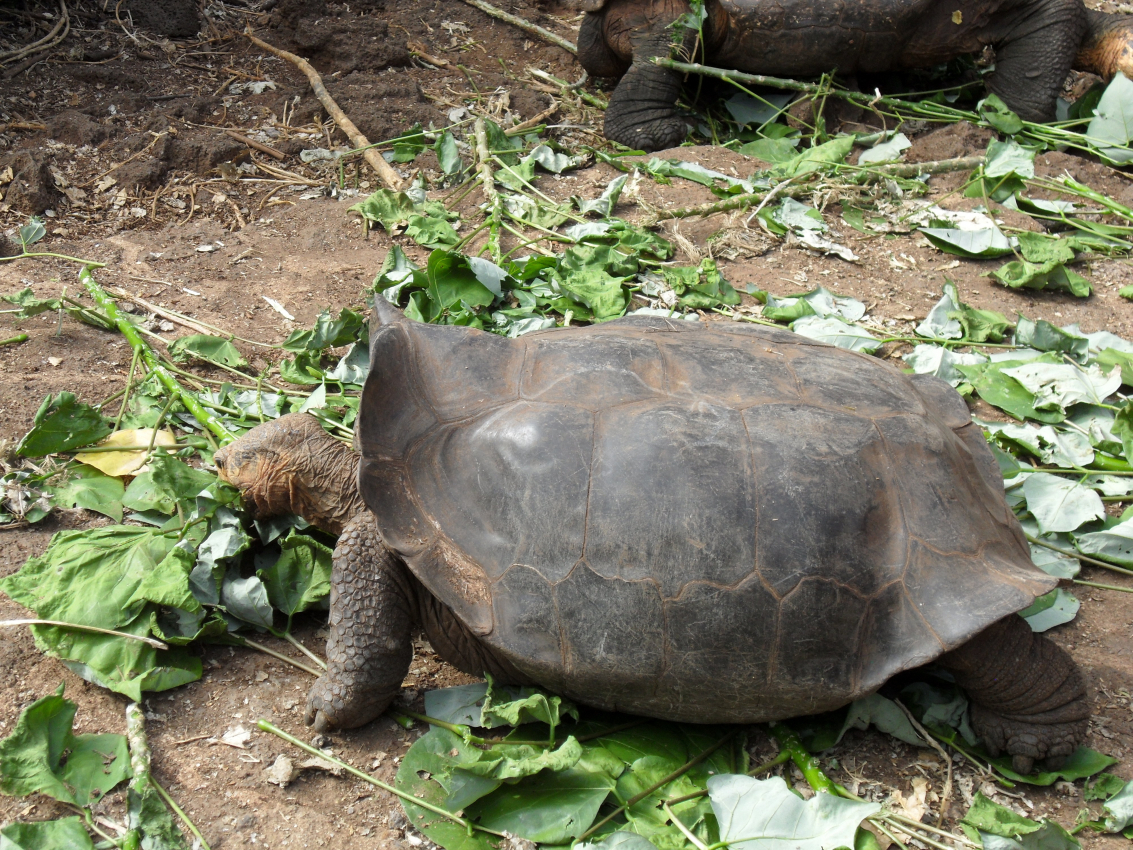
<point>118,139</point>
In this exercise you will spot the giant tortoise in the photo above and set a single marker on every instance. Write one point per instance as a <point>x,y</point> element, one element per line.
<point>703,522</point>
<point>1036,43</point>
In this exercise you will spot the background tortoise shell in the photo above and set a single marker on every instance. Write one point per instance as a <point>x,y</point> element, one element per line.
<point>698,521</point>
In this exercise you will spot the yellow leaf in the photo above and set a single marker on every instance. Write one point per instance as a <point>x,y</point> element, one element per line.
<point>957,17</point>
<point>125,462</point>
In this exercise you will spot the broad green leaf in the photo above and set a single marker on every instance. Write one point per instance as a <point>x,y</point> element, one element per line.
<point>246,598</point>
<point>386,207</point>
<point>1050,610</point>
<point>460,705</point>
<point>1003,391</point>
<point>753,111</point>
<point>550,808</point>
<point>1113,544</point>
<point>226,539</point>
<point>1057,386</point>
<point>797,216</point>
<point>1004,159</point>
<point>1119,809</point>
<point>771,150</point>
<point>940,361</point>
<point>1057,446</point>
<point>1081,763</point>
<point>525,760</point>
<point>988,816</point>
<point>836,332</point>
<point>300,577</point>
<point>1113,121</point>
<point>620,841</point>
<point>30,305</point>
<point>892,150</point>
<point>1021,274</point>
<point>168,483</point>
<point>61,834</point>
<point>329,332</point>
<point>62,423</point>
<point>883,713</point>
<point>554,161</point>
<point>996,113</point>
<point>941,321</point>
<point>43,756</point>
<point>149,815</point>
<point>353,367</point>
<point>1061,504</point>
<point>604,204</point>
<point>31,232</point>
<point>764,814</point>
<point>817,158</point>
<point>428,772</point>
<point>529,705</point>
<point>974,244</point>
<point>213,349</point>
<point>1109,357</point>
<point>431,232</point>
<point>84,487</point>
<point>448,154</point>
<point>1043,336</point>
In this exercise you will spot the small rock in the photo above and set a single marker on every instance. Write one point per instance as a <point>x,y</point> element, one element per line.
<point>237,736</point>
<point>54,361</point>
<point>319,741</point>
<point>281,772</point>
<point>316,763</point>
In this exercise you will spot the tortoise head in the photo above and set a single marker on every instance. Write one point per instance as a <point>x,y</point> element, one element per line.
<point>1108,47</point>
<point>270,465</point>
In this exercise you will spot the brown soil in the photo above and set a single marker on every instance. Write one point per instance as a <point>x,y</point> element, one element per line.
<point>133,169</point>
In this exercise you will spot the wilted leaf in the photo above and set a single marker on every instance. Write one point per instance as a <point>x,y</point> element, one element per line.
<point>836,332</point>
<point>1057,386</point>
<point>974,244</point>
<point>300,577</point>
<point>764,814</point>
<point>88,488</point>
<point>1119,809</point>
<point>61,834</point>
<point>1113,120</point>
<point>168,483</point>
<point>883,713</point>
<point>125,462</point>
<point>1113,544</point>
<point>940,361</point>
<point>516,706</point>
<point>892,150</point>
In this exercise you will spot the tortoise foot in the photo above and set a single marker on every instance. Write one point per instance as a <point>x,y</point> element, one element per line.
<point>1029,741</point>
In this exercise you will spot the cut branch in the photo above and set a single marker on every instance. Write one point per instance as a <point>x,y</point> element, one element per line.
<point>517,21</point>
<point>375,159</point>
<point>488,183</point>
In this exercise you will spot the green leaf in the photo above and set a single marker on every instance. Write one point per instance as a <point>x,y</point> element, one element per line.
<point>1050,610</point>
<point>516,706</point>
<point>1008,159</point>
<point>1060,504</point>
<point>213,349</point>
<point>764,814</point>
<point>1044,336</point>
<point>386,207</point>
<point>459,705</point>
<point>884,714</point>
<point>525,760</point>
<point>1113,544</point>
<point>1107,358</point>
<point>797,216</point>
<point>448,154</point>
<point>431,232</point>
<point>836,332</point>
<point>549,808</point>
<point>1082,762</point>
<point>86,487</point>
<point>1057,386</point>
<point>1113,121</point>
<point>998,388</point>
<point>973,244</point>
<point>942,321</point>
<point>1119,809</point>
<point>988,816</point>
<point>300,577</point>
<point>169,483</point>
<point>329,332</point>
<point>620,841</point>
<point>43,756</point>
<point>62,423</point>
<point>61,834</point>
<point>30,305</point>
<point>892,150</point>
<point>246,598</point>
<point>1021,274</point>
<point>1126,292</point>
<point>996,113</point>
<point>940,361</point>
<point>817,158</point>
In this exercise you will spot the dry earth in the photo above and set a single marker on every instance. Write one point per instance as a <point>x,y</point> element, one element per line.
<point>118,138</point>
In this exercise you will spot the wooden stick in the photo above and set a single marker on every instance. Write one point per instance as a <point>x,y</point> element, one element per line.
<point>534,121</point>
<point>417,49</point>
<point>515,21</point>
<point>385,172</point>
<point>252,143</point>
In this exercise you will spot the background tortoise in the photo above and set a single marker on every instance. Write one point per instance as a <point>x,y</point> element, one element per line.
<point>698,522</point>
<point>1036,42</point>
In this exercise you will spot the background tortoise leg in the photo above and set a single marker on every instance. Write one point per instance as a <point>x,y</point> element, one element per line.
<point>594,53</point>
<point>1034,52</point>
<point>642,112</point>
<point>370,645</point>
<point>1028,697</point>
<point>455,643</point>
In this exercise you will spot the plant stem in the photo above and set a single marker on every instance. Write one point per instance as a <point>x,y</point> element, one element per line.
<point>169,801</point>
<point>90,263</point>
<point>106,303</point>
<point>680,771</point>
<point>684,830</point>
<point>1097,563</point>
<point>287,636</point>
<point>1103,586</point>
<point>251,644</point>
<point>516,21</point>
<point>365,777</point>
<point>461,731</point>
<point>803,760</point>
<point>129,386</point>
<point>12,340</point>
<point>488,183</point>
<point>31,621</point>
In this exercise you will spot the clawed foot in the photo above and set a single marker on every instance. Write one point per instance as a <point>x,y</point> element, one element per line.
<point>649,136</point>
<point>1028,742</point>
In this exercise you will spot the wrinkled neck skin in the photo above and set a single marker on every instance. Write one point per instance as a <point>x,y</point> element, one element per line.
<point>291,465</point>
<point>1108,45</point>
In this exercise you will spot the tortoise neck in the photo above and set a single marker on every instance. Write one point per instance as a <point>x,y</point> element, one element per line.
<point>327,475</point>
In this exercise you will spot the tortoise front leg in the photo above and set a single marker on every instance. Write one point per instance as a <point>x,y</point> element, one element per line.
<point>370,645</point>
<point>1028,697</point>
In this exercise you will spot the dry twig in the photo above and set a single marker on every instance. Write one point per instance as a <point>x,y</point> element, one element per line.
<point>49,40</point>
<point>385,172</point>
<point>517,21</point>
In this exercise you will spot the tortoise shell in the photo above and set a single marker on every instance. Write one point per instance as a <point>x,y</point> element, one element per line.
<point>709,522</point>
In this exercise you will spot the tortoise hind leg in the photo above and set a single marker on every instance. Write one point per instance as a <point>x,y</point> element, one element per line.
<point>369,649</point>
<point>1028,697</point>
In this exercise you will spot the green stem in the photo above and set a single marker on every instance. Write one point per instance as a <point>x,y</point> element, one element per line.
<point>169,801</point>
<point>129,386</point>
<point>803,760</point>
<point>90,263</point>
<point>779,759</point>
<point>290,638</point>
<point>106,303</point>
<point>12,340</point>
<point>1103,586</point>
<point>31,621</point>
<point>365,777</point>
<point>1096,562</point>
<point>637,798</point>
<point>460,730</point>
<point>251,644</point>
